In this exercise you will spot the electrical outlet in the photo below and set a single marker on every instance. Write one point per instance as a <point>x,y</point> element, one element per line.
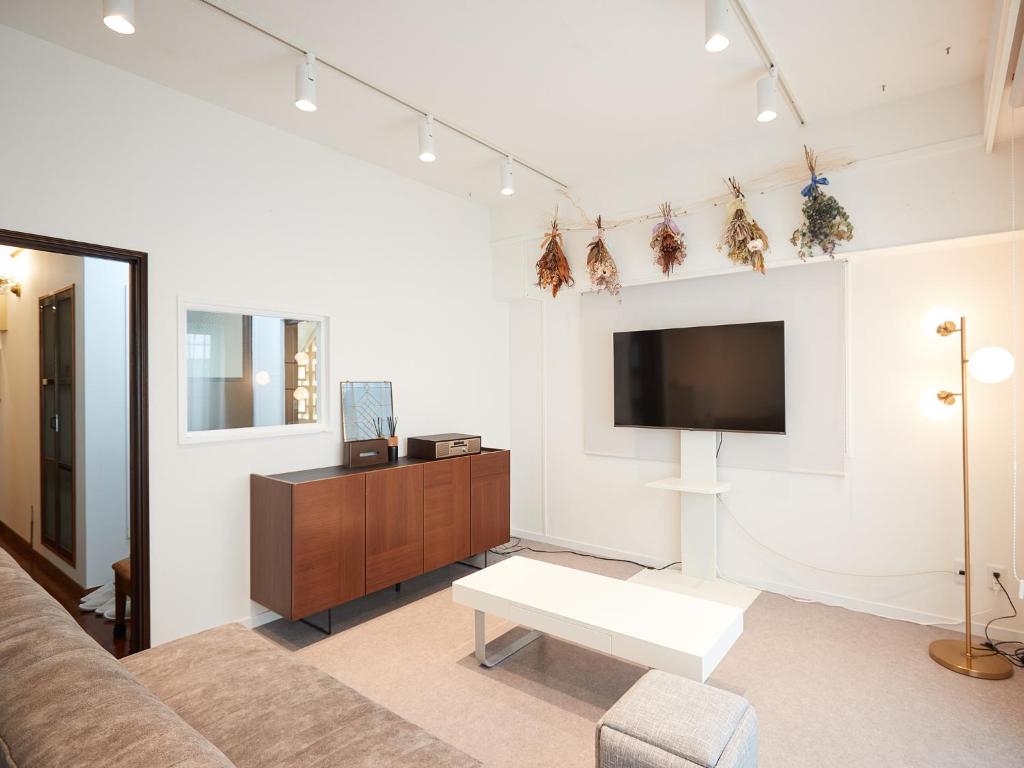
<point>958,572</point>
<point>992,570</point>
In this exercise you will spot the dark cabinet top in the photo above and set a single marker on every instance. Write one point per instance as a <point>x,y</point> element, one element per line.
<point>326,473</point>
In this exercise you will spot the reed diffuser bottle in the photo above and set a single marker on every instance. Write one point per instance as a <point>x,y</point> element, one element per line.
<point>392,439</point>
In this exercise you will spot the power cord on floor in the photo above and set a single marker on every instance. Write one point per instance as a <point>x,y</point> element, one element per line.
<point>1016,656</point>
<point>516,545</point>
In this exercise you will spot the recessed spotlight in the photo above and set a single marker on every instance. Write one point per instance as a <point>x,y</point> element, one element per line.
<point>119,15</point>
<point>305,84</point>
<point>427,154</point>
<point>715,14</point>
<point>508,182</point>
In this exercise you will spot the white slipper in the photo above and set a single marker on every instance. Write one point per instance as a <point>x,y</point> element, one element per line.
<point>107,606</point>
<point>97,597</point>
<point>111,615</point>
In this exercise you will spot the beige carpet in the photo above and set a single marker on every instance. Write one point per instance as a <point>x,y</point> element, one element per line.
<point>831,687</point>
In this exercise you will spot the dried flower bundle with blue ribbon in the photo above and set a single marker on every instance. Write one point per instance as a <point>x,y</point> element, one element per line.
<point>826,223</point>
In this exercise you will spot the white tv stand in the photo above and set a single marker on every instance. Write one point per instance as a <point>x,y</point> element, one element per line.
<point>699,487</point>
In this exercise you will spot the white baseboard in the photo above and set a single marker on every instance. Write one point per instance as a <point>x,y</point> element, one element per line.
<point>790,590</point>
<point>590,549</point>
<point>259,619</point>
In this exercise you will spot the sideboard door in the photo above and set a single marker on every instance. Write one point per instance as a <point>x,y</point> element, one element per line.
<point>328,543</point>
<point>489,504</point>
<point>394,526</point>
<point>445,512</point>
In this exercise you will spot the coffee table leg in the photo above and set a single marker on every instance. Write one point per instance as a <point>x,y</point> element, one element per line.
<point>499,656</point>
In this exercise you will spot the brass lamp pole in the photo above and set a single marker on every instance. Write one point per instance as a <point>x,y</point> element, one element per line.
<point>962,655</point>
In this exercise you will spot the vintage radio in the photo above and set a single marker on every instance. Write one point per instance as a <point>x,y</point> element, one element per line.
<point>443,446</point>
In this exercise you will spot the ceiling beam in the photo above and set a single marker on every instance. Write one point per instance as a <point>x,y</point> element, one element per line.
<point>1000,46</point>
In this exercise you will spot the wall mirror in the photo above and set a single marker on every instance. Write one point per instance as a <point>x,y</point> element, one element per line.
<point>249,373</point>
<point>366,407</point>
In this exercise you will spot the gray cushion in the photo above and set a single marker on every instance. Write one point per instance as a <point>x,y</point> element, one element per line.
<point>694,723</point>
<point>617,750</point>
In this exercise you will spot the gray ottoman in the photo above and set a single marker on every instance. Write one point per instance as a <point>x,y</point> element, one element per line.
<point>665,721</point>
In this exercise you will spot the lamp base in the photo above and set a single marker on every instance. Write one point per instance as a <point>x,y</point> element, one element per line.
<point>984,664</point>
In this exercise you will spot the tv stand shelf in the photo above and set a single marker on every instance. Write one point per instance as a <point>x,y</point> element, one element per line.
<point>691,486</point>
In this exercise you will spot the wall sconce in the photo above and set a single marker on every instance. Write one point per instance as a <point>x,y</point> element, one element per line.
<point>990,365</point>
<point>10,284</point>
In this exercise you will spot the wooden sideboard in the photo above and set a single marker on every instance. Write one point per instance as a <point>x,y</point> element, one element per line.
<point>321,537</point>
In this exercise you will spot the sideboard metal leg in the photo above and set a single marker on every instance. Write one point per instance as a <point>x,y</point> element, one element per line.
<point>318,627</point>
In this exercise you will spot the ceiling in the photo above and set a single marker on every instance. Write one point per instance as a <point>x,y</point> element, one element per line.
<point>583,89</point>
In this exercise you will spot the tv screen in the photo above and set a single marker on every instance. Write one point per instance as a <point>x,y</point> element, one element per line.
<point>727,378</point>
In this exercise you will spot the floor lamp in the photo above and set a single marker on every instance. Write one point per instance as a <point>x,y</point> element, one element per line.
<point>990,365</point>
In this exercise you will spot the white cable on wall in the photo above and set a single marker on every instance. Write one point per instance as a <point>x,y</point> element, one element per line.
<point>1016,351</point>
<point>946,572</point>
<point>758,542</point>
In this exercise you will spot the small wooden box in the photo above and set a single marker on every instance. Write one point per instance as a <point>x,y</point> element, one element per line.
<point>364,453</point>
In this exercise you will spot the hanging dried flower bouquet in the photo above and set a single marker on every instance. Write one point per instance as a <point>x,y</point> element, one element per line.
<point>746,241</point>
<point>604,275</point>
<point>826,223</point>
<point>553,268</point>
<point>667,242</point>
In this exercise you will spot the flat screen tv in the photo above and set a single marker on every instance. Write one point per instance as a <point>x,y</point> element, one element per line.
<point>725,378</point>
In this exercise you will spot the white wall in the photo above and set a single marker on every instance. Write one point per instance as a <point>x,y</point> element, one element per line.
<point>896,507</point>
<point>104,465</point>
<point>235,212</point>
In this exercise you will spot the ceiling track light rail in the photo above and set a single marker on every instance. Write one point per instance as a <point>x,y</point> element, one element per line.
<point>434,119</point>
<point>745,18</point>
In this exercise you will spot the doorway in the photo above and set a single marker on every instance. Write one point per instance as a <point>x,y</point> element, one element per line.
<point>62,385</point>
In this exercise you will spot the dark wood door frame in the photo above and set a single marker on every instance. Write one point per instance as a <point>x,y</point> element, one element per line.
<point>138,412</point>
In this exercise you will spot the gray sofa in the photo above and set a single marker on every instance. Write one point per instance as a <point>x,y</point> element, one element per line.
<point>230,697</point>
<point>220,698</point>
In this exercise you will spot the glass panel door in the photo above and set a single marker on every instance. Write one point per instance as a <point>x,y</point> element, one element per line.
<point>57,421</point>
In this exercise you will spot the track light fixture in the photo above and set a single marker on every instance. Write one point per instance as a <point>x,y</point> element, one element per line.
<point>305,94</point>
<point>766,97</point>
<point>119,15</point>
<point>508,182</point>
<point>305,84</point>
<point>427,154</point>
<point>715,14</point>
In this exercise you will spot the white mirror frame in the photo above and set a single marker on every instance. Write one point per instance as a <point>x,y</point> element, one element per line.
<point>186,437</point>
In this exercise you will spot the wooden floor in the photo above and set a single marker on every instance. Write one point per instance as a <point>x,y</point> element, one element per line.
<point>101,630</point>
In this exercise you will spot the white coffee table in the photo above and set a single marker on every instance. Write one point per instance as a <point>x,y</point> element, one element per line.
<point>654,627</point>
